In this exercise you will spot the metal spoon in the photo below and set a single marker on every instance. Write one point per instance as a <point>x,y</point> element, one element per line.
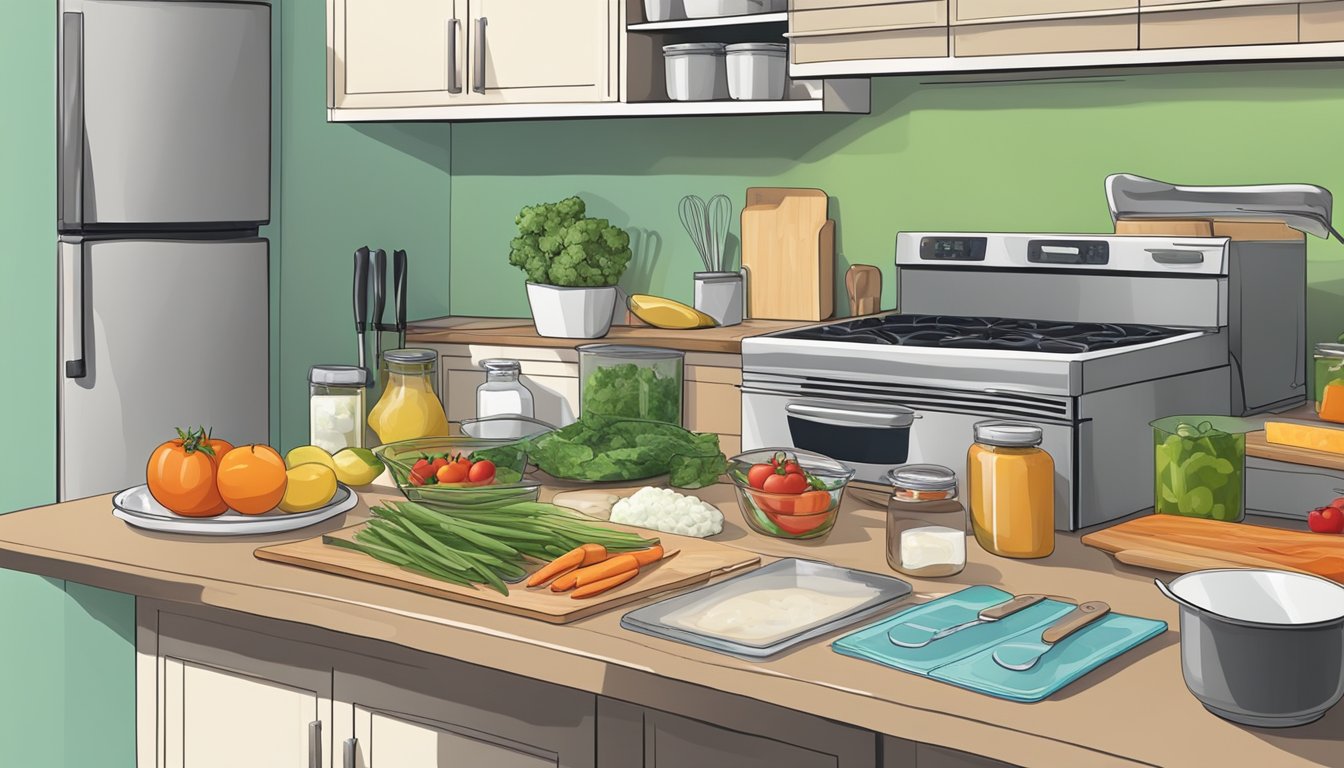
<point>1021,656</point>
<point>908,635</point>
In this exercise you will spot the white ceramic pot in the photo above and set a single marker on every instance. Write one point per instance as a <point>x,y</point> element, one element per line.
<point>571,313</point>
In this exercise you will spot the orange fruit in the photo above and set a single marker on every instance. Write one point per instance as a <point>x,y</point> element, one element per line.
<point>252,479</point>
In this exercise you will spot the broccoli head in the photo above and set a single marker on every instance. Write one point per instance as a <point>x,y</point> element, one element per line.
<point>558,245</point>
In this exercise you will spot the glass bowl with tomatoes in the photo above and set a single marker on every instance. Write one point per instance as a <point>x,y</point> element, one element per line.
<point>789,493</point>
<point>460,470</point>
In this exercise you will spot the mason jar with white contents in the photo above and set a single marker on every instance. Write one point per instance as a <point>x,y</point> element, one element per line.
<point>336,398</point>
<point>502,394</point>
<point>926,523</point>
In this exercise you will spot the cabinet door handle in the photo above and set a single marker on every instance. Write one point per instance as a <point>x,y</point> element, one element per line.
<point>478,76</point>
<point>348,760</point>
<point>453,85</point>
<point>315,744</point>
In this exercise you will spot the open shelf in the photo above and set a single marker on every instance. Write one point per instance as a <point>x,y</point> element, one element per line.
<point>781,17</point>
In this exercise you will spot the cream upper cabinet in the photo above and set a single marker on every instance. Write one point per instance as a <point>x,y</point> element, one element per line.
<point>540,51</point>
<point>410,53</point>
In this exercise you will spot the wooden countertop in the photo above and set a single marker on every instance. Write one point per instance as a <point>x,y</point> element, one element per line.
<point>519,332</point>
<point>1133,711</point>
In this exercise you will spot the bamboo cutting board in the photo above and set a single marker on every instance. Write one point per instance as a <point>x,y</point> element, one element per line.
<point>695,562</point>
<point>788,251</point>
<point>1184,544</point>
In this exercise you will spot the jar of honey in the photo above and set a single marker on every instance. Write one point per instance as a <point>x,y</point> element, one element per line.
<point>1010,482</point>
<point>410,407</point>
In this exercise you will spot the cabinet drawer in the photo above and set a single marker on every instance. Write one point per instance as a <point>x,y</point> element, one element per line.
<point>978,10</point>
<point>926,13</point>
<point>888,44</point>
<point>1247,25</point>
<point>713,408</point>
<point>1321,22</point>
<point>1099,33</point>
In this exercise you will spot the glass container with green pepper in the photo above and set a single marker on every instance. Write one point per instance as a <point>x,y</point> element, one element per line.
<point>1200,466</point>
<point>631,382</point>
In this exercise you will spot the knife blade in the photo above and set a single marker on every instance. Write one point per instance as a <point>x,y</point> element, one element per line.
<point>399,294</point>
<point>361,300</point>
<point>379,269</point>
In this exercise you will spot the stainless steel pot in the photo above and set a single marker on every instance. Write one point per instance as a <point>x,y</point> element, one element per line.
<point>1261,647</point>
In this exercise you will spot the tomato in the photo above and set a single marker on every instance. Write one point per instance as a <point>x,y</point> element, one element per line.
<point>420,473</point>
<point>252,479</point>
<point>788,483</point>
<point>181,476</point>
<point>452,473</point>
<point>758,473</point>
<point>482,472</point>
<point>437,464</point>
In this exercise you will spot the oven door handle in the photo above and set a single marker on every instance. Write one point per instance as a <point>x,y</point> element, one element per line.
<point>881,417</point>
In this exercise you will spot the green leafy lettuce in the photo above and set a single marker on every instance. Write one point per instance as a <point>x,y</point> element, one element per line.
<point>633,392</point>
<point>599,448</point>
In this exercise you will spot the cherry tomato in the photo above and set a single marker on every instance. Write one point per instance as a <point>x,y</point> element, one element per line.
<point>420,472</point>
<point>451,472</point>
<point>758,473</point>
<point>1326,520</point>
<point>482,472</point>
<point>789,483</point>
<point>437,464</point>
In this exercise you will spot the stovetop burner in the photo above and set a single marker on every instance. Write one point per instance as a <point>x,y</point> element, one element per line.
<point>985,333</point>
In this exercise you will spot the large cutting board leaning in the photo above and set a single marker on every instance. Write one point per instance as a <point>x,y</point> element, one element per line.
<point>788,252</point>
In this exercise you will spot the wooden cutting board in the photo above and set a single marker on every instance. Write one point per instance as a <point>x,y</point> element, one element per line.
<point>788,251</point>
<point>1184,544</point>
<point>695,562</point>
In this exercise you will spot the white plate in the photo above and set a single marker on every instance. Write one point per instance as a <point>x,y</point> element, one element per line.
<point>138,508</point>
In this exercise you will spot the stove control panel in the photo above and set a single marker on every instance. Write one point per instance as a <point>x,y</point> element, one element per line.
<point>953,248</point>
<point>1090,252</point>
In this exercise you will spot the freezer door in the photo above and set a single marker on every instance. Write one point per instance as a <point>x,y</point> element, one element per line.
<point>157,334</point>
<point>165,114</point>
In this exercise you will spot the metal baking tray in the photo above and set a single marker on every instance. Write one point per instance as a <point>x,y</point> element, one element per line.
<point>686,618</point>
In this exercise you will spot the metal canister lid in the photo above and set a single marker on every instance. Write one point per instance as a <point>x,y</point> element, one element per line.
<point>681,49</point>
<point>338,376</point>
<point>1329,349</point>
<point>776,49</point>
<point>501,365</point>
<point>1008,434</point>
<point>923,477</point>
<point>409,356</point>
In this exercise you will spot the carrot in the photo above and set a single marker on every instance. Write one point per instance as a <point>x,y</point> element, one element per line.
<point>593,554</point>
<point>562,564</point>
<point>598,587</point>
<point>648,556</point>
<point>565,583</point>
<point>605,569</point>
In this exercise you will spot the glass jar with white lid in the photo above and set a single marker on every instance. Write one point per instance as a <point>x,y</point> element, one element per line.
<point>336,398</point>
<point>926,523</point>
<point>502,394</point>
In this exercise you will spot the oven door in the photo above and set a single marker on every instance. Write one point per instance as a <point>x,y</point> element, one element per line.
<point>853,433</point>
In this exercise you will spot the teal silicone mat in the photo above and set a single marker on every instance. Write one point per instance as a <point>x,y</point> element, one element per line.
<point>965,658</point>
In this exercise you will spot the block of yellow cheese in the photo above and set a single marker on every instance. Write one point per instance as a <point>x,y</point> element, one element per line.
<point>1310,436</point>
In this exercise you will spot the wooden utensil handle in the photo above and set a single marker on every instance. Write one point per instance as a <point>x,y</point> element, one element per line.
<point>1008,608</point>
<point>1074,620</point>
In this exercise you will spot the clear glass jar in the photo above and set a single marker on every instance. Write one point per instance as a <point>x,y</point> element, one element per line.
<point>631,382</point>
<point>502,394</point>
<point>1200,468</point>
<point>926,524</point>
<point>1010,481</point>
<point>1329,369</point>
<point>410,406</point>
<point>336,398</point>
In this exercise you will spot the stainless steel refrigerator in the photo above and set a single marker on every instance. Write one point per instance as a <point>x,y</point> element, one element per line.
<point>164,157</point>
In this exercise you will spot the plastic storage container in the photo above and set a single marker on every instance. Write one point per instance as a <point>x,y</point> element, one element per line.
<point>1329,369</point>
<point>410,406</point>
<point>663,10</point>
<point>631,382</point>
<point>695,71</point>
<point>502,394</point>
<point>1201,466</point>
<point>1010,481</point>
<point>926,524</point>
<point>336,400</point>
<point>705,9</point>
<point>757,71</point>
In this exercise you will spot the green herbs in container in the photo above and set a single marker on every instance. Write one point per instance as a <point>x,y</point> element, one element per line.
<point>630,382</point>
<point>1200,466</point>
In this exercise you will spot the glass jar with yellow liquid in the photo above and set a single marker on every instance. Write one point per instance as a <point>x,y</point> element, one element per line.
<point>1010,482</point>
<point>410,407</point>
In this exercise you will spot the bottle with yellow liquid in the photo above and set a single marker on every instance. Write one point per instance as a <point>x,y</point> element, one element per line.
<point>1010,482</point>
<point>410,407</point>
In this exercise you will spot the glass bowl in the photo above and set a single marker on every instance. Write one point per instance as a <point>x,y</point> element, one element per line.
<point>808,515</point>
<point>509,457</point>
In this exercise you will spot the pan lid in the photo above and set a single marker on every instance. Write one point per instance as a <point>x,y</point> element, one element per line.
<point>1304,207</point>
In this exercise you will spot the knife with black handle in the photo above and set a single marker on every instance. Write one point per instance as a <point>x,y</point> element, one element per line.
<point>379,301</point>
<point>361,298</point>
<point>399,294</point>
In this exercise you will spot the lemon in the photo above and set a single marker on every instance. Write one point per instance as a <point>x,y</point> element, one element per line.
<point>357,466</point>
<point>309,454</point>
<point>310,486</point>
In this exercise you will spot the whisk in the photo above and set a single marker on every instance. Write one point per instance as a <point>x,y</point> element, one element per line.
<point>707,224</point>
<point>720,217</point>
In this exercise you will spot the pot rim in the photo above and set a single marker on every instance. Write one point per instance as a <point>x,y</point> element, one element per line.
<point>1201,611</point>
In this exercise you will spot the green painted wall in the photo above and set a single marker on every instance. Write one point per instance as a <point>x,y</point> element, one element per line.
<point>1003,156</point>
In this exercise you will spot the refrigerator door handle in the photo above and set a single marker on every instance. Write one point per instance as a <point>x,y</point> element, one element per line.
<point>72,311</point>
<point>71,146</point>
